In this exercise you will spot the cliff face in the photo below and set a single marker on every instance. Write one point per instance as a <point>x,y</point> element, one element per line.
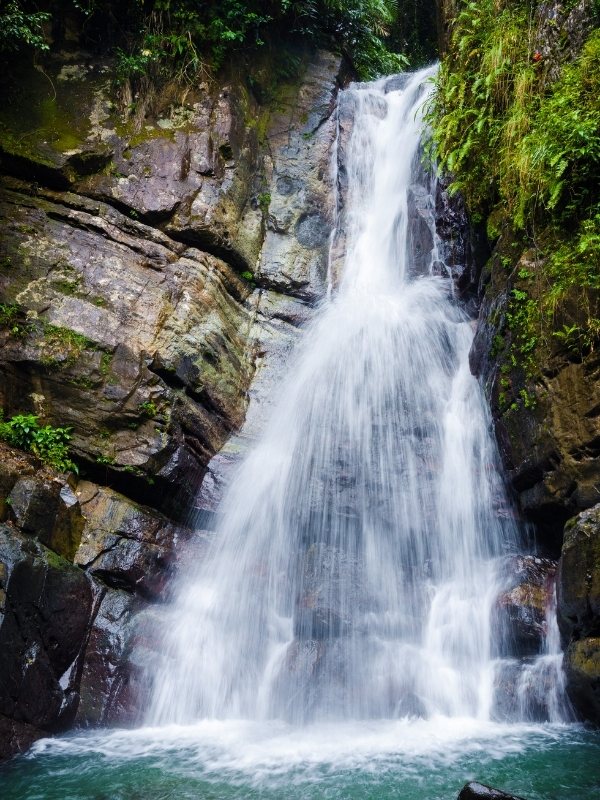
<point>536,346</point>
<point>146,272</point>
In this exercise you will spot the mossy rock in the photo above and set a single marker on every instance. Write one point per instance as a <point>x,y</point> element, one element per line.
<point>47,132</point>
<point>582,667</point>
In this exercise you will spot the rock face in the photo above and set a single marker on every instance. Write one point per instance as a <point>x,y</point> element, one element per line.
<point>65,628</point>
<point>292,267</point>
<point>147,273</point>
<point>133,340</point>
<point>579,610</point>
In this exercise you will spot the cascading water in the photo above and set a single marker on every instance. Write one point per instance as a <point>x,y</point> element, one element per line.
<point>355,567</point>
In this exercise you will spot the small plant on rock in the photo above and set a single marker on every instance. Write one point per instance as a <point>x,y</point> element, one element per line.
<point>49,444</point>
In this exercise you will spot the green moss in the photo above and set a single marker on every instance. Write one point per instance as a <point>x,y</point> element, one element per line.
<point>55,560</point>
<point>62,346</point>
<point>12,318</point>
<point>105,362</point>
<point>54,119</point>
<point>148,409</point>
<point>66,287</point>
<point>82,382</point>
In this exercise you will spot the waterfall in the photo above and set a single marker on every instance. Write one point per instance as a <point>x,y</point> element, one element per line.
<point>355,565</point>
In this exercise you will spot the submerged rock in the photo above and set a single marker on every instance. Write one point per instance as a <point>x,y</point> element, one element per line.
<point>479,791</point>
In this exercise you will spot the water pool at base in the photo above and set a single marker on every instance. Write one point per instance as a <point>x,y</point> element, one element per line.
<point>216,760</point>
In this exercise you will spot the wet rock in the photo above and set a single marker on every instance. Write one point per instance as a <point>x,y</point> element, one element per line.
<point>135,342</point>
<point>137,330</point>
<point>13,465</point>
<point>300,213</point>
<point>520,610</point>
<point>46,604</point>
<point>421,228</point>
<point>49,510</point>
<point>462,246</point>
<point>324,602</point>
<point>125,545</point>
<point>479,791</point>
<point>103,663</point>
<point>579,576</point>
<point>132,685</point>
<point>549,442</point>
<point>506,706</point>
<point>15,737</point>
<point>530,689</point>
<point>301,668</point>
<point>582,669</point>
<point>579,611</point>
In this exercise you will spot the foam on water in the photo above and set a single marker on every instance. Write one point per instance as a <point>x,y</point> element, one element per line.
<point>255,751</point>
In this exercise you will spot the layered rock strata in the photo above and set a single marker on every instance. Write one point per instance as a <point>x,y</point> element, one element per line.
<point>146,275</point>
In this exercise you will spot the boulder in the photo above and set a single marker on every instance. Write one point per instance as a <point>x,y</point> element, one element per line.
<point>520,610</point>
<point>479,791</point>
<point>582,670</point>
<point>104,669</point>
<point>49,510</point>
<point>45,604</point>
<point>579,611</point>
<point>579,576</point>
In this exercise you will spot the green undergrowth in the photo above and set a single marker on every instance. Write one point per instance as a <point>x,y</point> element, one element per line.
<point>49,444</point>
<point>525,153</point>
<point>189,40</point>
<point>184,38</point>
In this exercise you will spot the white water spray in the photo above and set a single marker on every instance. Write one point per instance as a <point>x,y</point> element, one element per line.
<point>354,569</point>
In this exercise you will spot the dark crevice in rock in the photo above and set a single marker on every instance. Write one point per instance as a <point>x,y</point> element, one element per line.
<point>154,492</point>
<point>212,244</point>
<point>298,290</point>
<point>153,219</point>
<point>24,169</point>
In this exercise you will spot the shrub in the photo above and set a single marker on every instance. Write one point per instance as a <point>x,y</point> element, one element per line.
<point>19,28</point>
<point>49,444</point>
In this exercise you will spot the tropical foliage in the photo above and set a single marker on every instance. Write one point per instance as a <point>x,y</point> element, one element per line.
<point>521,140</point>
<point>184,37</point>
<point>49,444</point>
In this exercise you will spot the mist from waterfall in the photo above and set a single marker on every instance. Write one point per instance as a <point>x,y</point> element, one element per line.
<point>358,554</point>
